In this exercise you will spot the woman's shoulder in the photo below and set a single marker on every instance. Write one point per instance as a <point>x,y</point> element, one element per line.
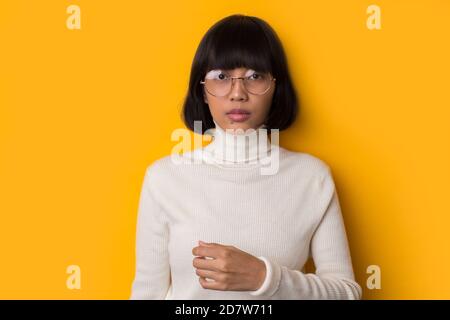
<point>305,161</point>
<point>159,167</point>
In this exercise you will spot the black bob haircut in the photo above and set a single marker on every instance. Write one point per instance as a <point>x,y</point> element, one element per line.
<point>241,41</point>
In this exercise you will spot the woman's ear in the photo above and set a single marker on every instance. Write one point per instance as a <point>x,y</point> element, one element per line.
<point>204,98</point>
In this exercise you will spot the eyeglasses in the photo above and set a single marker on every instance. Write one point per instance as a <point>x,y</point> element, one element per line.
<point>219,84</point>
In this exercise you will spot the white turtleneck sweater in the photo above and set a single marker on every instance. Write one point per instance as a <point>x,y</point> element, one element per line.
<point>282,215</point>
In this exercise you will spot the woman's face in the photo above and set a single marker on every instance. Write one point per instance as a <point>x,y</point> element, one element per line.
<point>255,106</point>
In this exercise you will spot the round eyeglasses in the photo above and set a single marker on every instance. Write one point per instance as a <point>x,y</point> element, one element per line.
<point>219,84</point>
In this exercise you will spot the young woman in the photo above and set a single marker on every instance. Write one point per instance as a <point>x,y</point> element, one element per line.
<point>220,227</point>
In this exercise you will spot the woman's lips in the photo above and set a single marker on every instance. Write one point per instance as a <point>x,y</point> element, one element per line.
<point>238,117</point>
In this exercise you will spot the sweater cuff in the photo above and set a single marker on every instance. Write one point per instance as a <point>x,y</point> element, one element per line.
<point>271,281</point>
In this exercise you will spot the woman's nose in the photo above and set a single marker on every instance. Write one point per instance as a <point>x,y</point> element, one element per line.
<point>238,91</point>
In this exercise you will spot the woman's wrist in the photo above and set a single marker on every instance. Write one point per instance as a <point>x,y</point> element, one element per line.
<point>261,274</point>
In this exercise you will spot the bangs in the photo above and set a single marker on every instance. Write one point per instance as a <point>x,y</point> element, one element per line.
<point>241,44</point>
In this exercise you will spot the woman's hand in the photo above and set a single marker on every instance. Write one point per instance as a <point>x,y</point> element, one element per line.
<point>230,268</point>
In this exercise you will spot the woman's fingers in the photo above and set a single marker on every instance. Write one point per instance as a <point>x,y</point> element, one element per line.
<point>210,275</point>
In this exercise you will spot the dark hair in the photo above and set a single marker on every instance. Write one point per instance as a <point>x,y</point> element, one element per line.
<point>241,41</point>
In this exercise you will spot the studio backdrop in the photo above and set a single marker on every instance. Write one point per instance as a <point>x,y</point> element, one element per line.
<point>91,91</point>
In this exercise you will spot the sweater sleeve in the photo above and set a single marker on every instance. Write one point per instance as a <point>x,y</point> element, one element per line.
<point>334,278</point>
<point>152,275</point>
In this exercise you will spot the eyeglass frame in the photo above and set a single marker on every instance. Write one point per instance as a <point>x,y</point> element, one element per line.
<point>232,83</point>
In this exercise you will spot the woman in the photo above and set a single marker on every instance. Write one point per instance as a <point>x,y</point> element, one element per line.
<point>255,229</point>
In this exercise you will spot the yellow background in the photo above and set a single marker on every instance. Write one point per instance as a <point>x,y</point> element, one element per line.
<point>84,112</point>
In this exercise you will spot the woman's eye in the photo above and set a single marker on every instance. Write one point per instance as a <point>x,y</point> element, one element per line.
<point>216,75</point>
<point>255,76</point>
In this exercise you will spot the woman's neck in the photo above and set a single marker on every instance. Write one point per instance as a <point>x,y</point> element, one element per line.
<point>238,145</point>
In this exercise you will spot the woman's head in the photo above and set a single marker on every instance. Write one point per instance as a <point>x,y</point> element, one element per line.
<point>248,48</point>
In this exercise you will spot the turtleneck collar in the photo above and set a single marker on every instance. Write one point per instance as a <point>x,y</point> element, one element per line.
<point>240,146</point>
